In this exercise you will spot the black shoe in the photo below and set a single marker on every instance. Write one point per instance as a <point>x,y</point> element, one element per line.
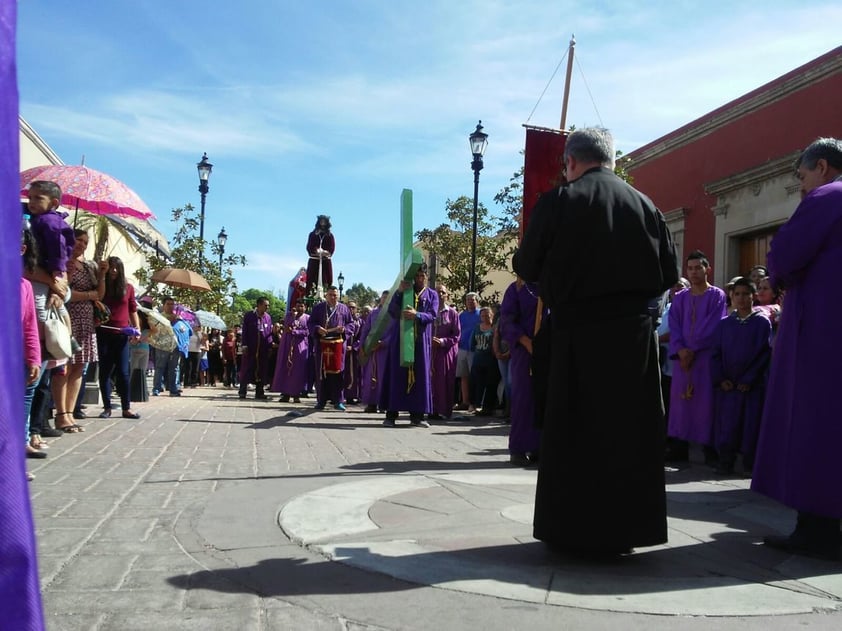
<point>419,423</point>
<point>434,417</point>
<point>106,413</point>
<point>36,454</point>
<point>370,409</point>
<point>284,398</point>
<point>519,460</point>
<point>79,415</point>
<point>723,468</point>
<point>798,544</point>
<point>389,422</point>
<point>50,432</point>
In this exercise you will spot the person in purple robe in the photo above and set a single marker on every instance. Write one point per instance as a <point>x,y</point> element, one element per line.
<point>20,600</point>
<point>445,351</point>
<point>327,323</point>
<point>256,342</point>
<point>740,357</point>
<point>798,461</point>
<point>351,372</point>
<point>518,312</point>
<point>291,368</point>
<point>320,248</point>
<point>373,365</point>
<point>693,317</point>
<point>409,388</point>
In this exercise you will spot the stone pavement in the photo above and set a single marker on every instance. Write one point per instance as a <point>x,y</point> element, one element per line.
<point>216,513</point>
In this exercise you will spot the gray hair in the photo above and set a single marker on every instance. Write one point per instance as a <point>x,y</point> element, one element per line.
<point>472,294</point>
<point>829,149</point>
<point>683,282</point>
<point>591,144</point>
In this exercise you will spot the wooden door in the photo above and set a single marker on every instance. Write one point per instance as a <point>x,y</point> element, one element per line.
<point>753,249</point>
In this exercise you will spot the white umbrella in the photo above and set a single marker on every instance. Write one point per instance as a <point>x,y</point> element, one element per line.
<point>163,337</point>
<point>210,320</point>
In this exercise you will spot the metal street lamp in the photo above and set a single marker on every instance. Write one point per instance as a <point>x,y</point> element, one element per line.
<point>204,167</point>
<point>341,280</point>
<point>478,141</point>
<point>221,240</point>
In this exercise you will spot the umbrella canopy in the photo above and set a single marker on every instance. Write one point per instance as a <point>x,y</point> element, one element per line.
<point>178,277</point>
<point>88,189</point>
<point>210,320</point>
<point>164,337</point>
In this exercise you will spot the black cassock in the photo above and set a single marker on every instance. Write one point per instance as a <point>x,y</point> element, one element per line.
<point>600,251</point>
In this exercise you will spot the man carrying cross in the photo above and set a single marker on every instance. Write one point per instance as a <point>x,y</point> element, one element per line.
<point>408,387</point>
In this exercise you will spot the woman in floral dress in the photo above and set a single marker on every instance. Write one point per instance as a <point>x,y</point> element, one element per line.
<point>87,285</point>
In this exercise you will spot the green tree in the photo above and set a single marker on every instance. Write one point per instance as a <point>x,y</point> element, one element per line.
<point>362,295</point>
<point>451,243</point>
<point>246,300</point>
<point>185,247</point>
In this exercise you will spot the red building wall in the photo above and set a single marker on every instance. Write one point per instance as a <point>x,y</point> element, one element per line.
<point>676,178</point>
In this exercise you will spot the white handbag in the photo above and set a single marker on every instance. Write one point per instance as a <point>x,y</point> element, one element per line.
<point>57,336</point>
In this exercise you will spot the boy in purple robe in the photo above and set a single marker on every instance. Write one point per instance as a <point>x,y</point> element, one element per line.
<point>518,312</point>
<point>798,460</point>
<point>327,324</point>
<point>374,365</point>
<point>352,362</point>
<point>291,368</point>
<point>409,388</point>
<point>741,351</point>
<point>693,317</point>
<point>256,342</point>
<point>445,351</point>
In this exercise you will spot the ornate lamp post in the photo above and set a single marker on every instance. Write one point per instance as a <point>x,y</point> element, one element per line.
<point>204,167</point>
<point>341,280</point>
<point>221,240</point>
<point>478,141</point>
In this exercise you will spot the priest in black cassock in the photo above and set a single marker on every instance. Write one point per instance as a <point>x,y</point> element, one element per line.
<point>600,251</point>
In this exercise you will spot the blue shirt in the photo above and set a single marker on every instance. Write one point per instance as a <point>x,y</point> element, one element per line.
<point>468,320</point>
<point>182,331</point>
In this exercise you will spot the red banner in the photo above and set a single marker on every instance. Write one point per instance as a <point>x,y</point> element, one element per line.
<point>543,162</point>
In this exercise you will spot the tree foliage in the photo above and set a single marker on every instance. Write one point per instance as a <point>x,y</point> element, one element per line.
<point>451,243</point>
<point>185,247</point>
<point>246,301</point>
<point>361,294</point>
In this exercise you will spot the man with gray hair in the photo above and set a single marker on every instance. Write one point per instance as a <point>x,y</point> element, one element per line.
<point>798,460</point>
<point>600,252</point>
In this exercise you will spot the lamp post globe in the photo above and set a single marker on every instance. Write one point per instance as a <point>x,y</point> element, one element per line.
<point>478,141</point>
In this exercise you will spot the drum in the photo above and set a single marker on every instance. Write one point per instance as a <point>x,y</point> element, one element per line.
<point>333,352</point>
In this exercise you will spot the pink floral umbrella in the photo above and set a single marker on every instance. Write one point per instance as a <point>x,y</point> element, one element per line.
<point>89,190</point>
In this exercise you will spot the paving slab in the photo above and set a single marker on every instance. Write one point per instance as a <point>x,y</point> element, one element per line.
<point>215,513</point>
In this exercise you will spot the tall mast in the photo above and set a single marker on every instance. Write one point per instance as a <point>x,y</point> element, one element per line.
<point>570,53</point>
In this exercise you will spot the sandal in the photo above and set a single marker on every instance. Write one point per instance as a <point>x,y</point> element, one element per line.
<point>36,442</point>
<point>70,428</point>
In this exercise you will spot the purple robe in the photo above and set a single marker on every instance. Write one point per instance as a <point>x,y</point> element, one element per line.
<point>374,369</point>
<point>256,341</point>
<point>409,389</point>
<point>693,320</point>
<point>291,368</point>
<point>740,355</point>
<point>517,313</point>
<point>448,331</point>
<point>20,600</point>
<point>352,374</point>
<point>798,460</point>
<point>322,315</point>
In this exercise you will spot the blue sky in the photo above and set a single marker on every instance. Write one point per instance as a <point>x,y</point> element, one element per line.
<point>334,107</point>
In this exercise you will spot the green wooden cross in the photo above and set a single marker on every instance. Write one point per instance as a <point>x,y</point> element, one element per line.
<point>411,260</point>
